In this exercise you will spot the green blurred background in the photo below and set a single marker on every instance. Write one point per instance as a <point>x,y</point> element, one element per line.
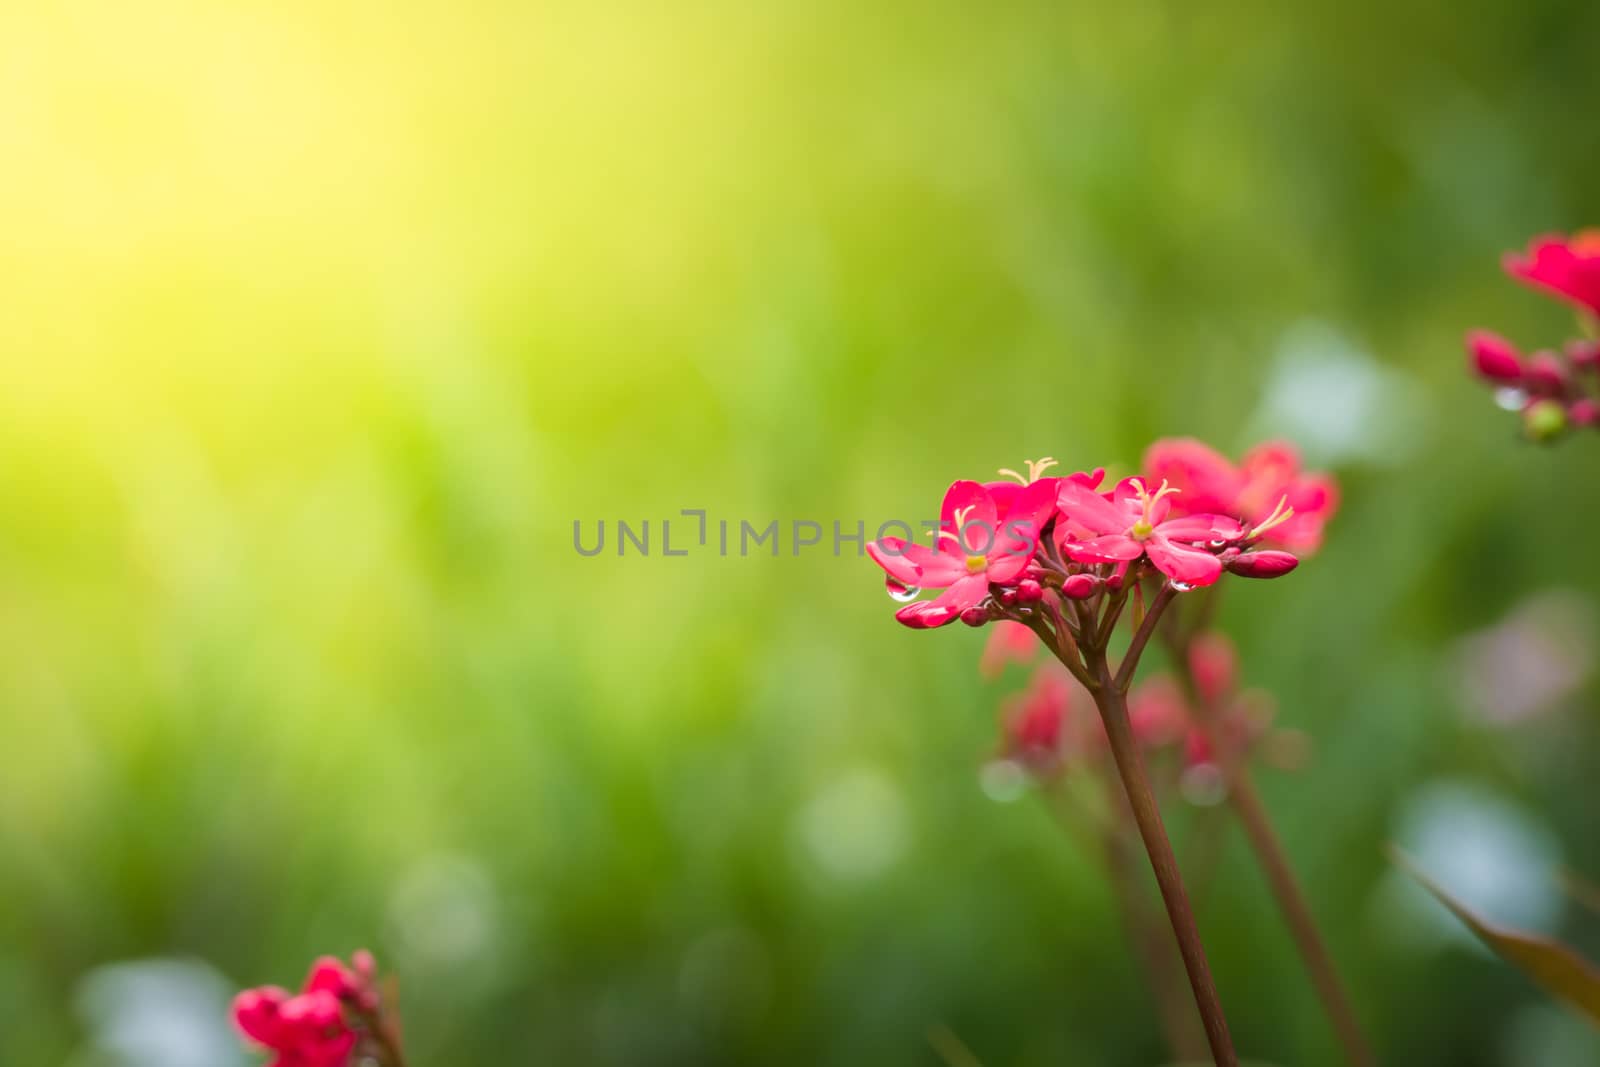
<point>321,324</point>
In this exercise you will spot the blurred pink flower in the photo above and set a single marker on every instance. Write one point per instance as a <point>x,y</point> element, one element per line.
<point>1033,722</point>
<point>305,1029</point>
<point>1009,642</point>
<point>1567,267</point>
<point>1270,473</point>
<point>312,1028</point>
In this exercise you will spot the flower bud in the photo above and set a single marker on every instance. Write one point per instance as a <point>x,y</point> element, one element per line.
<point>1267,563</point>
<point>1493,357</point>
<point>976,615</point>
<point>1585,412</point>
<point>1214,664</point>
<point>1547,373</point>
<point>1008,595</point>
<point>1080,586</point>
<point>1544,420</point>
<point>1584,355</point>
<point>924,615</point>
<point>1029,591</point>
<point>330,974</point>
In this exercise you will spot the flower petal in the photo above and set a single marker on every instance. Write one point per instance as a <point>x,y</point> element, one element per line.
<point>1568,268</point>
<point>890,553</point>
<point>1020,528</point>
<point>1276,462</point>
<point>1003,494</point>
<point>1091,510</point>
<point>1111,548</point>
<point>912,564</point>
<point>1009,642</point>
<point>947,606</point>
<point>1182,563</point>
<point>979,519</point>
<point>256,1013</point>
<point>1087,479</point>
<point>1206,481</point>
<point>1215,665</point>
<point>1198,529</point>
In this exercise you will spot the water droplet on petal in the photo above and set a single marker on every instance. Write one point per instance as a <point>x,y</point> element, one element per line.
<point>1180,587</point>
<point>904,594</point>
<point>1510,398</point>
<point>1218,543</point>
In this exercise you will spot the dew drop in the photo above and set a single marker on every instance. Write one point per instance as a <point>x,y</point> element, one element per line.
<point>1511,399</point>
<point>1180,587</point>
<point>1220,542</point>
<point>902,593</point>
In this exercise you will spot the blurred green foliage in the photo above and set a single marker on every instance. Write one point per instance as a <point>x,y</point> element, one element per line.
<point>323,323</point>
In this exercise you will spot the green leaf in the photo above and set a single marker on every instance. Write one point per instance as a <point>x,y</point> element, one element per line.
<point>1549,964</point>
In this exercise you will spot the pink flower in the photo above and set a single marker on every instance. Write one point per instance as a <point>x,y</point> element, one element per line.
<point>1158,712</point>
<point>981,541</point>
<point>1494,358</point>
<point>321,1025</point>
<point>1009,642</point>
<point>1569,268</point>
<point>1269,475</point>
<point>305,1030</point>
<point>1207,481</point>
<point>1214,664</point>
<point>1272,474</point>
<point>1033,723</point>
<point>1132,523</point>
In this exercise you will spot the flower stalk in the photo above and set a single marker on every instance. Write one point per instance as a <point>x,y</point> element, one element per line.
<point>1245,802</point>
<point>1089,662</point>
<point>1063,558</point>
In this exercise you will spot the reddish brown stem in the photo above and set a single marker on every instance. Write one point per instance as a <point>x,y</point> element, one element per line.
<point>1143,929</point>
<point>1111,701</point>
<point>1246,803</point>
<point>384,1035</point>
<point>1252,814</point>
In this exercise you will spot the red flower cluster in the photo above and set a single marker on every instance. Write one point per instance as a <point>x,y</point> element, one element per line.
<point>1004,546</point>
<point>1207,482</point>
<point>1553,391</point>
<point>337,1010</point>
<point>1051,726</point>
<point>1238,719</point>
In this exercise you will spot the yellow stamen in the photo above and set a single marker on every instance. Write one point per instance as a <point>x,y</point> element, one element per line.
<point>959,519</point>
<point>1145,526</point>
<point>1036,467</point>
<point>1280,515</point>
